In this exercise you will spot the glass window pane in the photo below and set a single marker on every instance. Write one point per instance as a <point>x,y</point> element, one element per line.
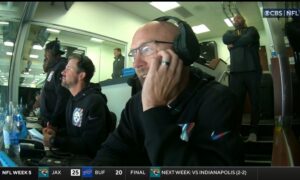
<point>10,13</point>
<point>99,49</point>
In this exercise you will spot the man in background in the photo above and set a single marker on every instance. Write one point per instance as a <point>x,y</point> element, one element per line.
<point>292,30</point>
<point>118,64</point>
<point>245,68</point>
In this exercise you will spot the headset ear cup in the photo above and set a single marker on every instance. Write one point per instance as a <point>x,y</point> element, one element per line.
<point>190,44</point>
<point>54,48</point>
<point>186,44</point>
<point>177,47</point>
<point>181,49</point>
<point>57,49</point>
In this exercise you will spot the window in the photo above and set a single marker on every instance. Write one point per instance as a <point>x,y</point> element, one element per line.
<point>101,53</point>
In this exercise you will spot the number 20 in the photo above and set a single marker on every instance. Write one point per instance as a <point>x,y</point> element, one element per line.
<point>119,172</point>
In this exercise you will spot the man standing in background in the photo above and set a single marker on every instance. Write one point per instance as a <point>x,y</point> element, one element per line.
<point>245,68</point>
<point>292,30</point>
<point>118,64</point>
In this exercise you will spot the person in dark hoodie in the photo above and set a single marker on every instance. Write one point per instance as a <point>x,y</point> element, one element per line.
<point>54,96</point>
<point>180,117</point>
<point>88,119</point>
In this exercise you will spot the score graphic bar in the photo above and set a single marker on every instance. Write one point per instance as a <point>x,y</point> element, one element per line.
<point>146,173</point>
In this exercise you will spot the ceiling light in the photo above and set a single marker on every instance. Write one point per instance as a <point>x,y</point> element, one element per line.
<point>37,47</point>
<point>34,56</point>
<point>165,6</point>
<point>78,51</point>
<point>53,30</point>
<point>96,40</point>
<point>200,29</point>
<point>8,43</point>
<point>228,22</point>
<point>4,22</point>
<point>9,53</point>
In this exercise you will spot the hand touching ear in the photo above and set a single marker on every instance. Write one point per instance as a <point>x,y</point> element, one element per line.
<point>163,79</point>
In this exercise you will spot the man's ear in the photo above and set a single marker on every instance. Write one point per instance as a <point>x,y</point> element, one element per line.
<point>82,75</point>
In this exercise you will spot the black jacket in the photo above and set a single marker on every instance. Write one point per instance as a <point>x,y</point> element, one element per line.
<point>54,96</point>
<point>153,137</point>
<point>292,30</point>
<point>244,56</point>
<point>88,123</point>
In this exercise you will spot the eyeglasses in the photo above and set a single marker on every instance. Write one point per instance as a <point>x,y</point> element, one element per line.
<point>146,48</point>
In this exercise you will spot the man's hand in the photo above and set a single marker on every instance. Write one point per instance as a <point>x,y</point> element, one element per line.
<point>49,126</point>
<point>229,46</point>
<point>163,79</point>
<point>48,134</point>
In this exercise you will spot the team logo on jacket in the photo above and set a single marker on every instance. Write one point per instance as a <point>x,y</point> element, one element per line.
<point>186,130</point>
<point>77,117</point>
<point>50,76</point>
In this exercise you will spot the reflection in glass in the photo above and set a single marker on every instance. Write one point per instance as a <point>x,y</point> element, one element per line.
<point>99,49</point>
<point>8,31</point>
<point>10,13</point>
<point>32,75</point>
<point>101,52</point>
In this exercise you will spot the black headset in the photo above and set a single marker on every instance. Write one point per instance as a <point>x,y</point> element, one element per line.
<point>56,47</point>
<point>185,44</point>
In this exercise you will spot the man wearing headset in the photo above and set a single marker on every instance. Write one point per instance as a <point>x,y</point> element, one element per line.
<point>54,96</point>
<point>179,117</point>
